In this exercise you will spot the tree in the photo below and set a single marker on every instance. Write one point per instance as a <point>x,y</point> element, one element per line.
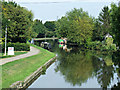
<point>115,22</point>
<point>50,25</point>
<point>97,31</point>
<point>80,31</point>
<point>38,28</point>
<point>77,26</point>
<point>19,26</point>
<point>104,20</point>
<point>62,27</point>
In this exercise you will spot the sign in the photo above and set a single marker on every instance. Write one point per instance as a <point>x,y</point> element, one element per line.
<point>10,50</point>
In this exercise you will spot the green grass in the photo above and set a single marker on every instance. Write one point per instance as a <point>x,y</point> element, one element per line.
<point>20,69</point>
<point>16,53</point>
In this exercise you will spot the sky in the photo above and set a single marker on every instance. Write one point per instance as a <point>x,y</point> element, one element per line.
<point>64,0</point>
<point>51,10</point>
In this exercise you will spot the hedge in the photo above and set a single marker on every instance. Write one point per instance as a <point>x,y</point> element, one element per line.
<point>17,46</point>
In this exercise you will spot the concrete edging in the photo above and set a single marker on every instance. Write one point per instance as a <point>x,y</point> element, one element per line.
<point>30,79</point>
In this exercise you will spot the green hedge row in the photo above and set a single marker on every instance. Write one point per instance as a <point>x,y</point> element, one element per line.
<point>17,46</point>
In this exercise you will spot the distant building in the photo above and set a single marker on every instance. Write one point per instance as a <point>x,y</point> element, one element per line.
<point>108,35</point>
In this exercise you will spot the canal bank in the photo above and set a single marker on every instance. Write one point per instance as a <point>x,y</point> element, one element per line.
<point>30,79</point>
<point>21,69</point>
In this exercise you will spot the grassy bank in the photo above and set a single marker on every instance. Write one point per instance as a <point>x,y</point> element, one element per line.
<point>20,69</point>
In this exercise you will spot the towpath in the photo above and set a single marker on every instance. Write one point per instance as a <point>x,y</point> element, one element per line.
<point>33,51</point>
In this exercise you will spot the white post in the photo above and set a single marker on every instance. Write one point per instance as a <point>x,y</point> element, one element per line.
<point>5,39</point>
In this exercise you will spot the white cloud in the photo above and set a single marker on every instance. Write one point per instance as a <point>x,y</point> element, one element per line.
<point>64,0</point>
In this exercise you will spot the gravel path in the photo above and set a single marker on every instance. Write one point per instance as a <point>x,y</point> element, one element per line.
<point>33,51</point>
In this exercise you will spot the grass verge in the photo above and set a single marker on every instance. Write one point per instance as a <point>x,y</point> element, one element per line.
<point>16,53</point>
<point>20,69</point>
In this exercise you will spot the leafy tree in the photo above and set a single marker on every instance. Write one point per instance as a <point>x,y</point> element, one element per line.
<point>97,31</point>
<point>50,25</point>
<point>77,13</point>
<point>77,26</point>
<point>80,31</point>
<point>19,26</point>
<point>115,22</point>
<point>38,28</point>
<point>62,27</point>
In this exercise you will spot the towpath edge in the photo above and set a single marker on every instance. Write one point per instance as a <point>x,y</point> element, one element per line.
<point>33,51</point>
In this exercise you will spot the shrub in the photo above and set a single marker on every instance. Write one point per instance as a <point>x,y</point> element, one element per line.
<point>94,45</point>
<point>17,46</point>
<point>109,41</point>
<point>113,47</point>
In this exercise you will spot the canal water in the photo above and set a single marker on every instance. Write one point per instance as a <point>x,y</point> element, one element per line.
<point>76,68</point>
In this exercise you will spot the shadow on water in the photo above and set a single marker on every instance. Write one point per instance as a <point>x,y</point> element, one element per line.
<point>78,66</point>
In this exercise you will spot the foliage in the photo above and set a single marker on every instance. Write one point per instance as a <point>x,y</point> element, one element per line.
<point>97,31</point>
<point>113,47</point>
<point>62,27</point>
<point>17,46</point>
<point>103,46</point>
<point>104,19</point>
<point>115,22</point>
<point>108,22</point>
<point>38,28</point>
<point>77,26</point>
<point>109,41</point>
<point>18,20</point>
<point>50,25</point>
<point>102,24</point>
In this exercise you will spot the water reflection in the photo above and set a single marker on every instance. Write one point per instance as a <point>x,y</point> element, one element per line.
<point>78,66</point>
<point>64,47</point>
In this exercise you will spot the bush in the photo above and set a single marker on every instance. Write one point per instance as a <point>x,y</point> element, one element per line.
<point>109,41</point>
<point>94,45</point>
<point>17,46</point>
<point>113,47</point>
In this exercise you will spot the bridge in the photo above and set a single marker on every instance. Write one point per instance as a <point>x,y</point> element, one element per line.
<point>45,38</point>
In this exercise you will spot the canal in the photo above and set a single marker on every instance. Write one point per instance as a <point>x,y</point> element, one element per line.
<point>76,68</point>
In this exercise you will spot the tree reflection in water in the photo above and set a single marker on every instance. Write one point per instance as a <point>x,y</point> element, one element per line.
<point>116,60</point>
<point>78,67</point>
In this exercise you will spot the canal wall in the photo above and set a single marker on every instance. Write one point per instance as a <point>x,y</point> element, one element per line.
<point>30,79</point>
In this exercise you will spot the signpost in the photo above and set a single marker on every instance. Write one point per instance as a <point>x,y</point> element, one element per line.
<point>10,50</point>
